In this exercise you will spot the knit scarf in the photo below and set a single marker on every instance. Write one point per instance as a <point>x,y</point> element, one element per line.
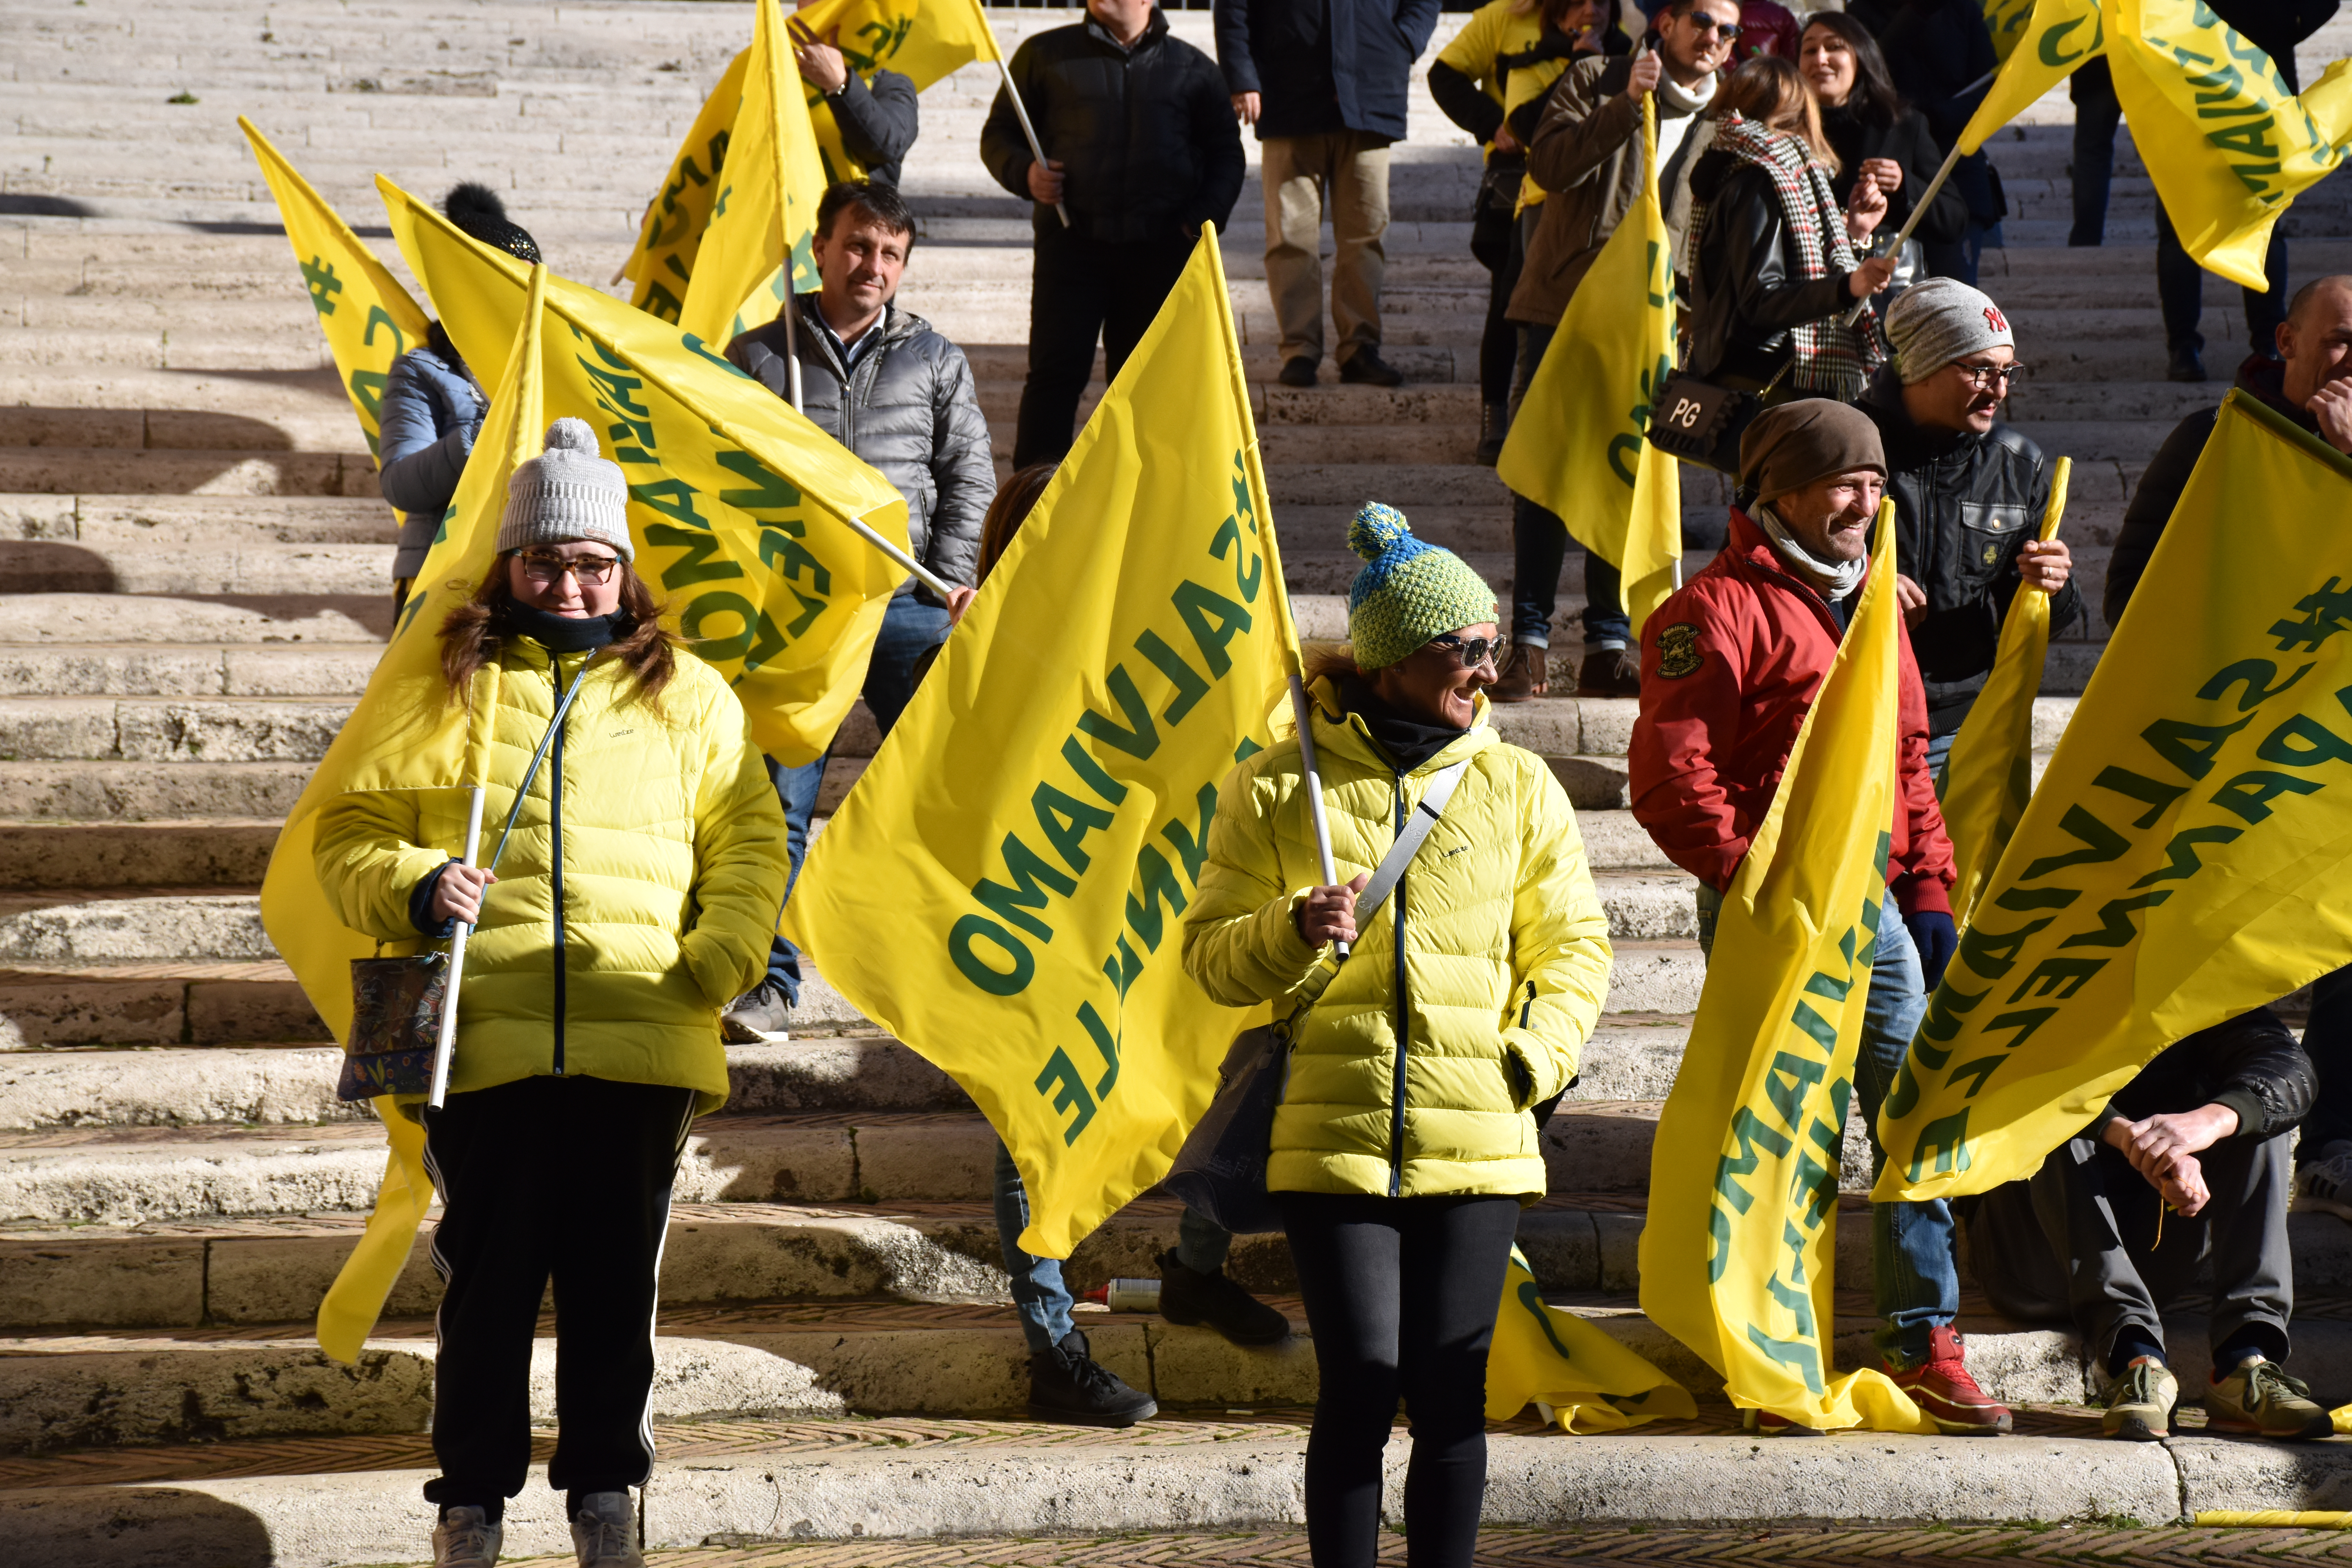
<point>1834,579</point>
<point>1830,358</point>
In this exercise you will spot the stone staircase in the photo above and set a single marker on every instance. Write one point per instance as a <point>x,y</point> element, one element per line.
<point>194,566</point>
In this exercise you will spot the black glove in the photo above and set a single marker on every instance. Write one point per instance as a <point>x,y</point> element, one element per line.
<point>1936,937</point>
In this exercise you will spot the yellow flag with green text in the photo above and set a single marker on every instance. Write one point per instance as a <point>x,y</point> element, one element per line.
<point>671,235</point>
<point>367,316</point>
<point>923,40</point>
<point>1739,1256</point>
<point>2040,43</point>
<point>1584,1380</point>
<point>1003,889</point>
<point>740,508</point>
<point>2228,147</point>
<point>1990,774</point>
<point>2183,860</point>
<point>402,734</point>
<point>1591,396</point>
<point>763,219</point>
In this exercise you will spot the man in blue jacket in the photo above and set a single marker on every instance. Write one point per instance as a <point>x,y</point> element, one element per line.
<point>1324,82</point>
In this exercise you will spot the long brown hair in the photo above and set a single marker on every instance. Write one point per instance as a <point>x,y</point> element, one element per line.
<point>1774,93</point>
<point>1016,498</point>
<point>469,637</point>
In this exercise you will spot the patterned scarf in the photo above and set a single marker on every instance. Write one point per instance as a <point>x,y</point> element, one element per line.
<point>1831,358</point>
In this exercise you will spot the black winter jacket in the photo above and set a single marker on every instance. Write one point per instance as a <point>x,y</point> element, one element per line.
<point>1964,505</point>
<point>2251,1063</point>
<point>1323,65</point>
<point>911,410</point>
<point>2162,483</point>
<point>1934,49</point>
<point>1910,143</point>
<point>1747,276</point>
<point>1146,137</point>
<point>879,121</point>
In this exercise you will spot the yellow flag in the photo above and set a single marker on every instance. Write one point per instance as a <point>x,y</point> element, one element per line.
<point>2006,21</point>
<point>1591,395</point>
<point>1739,1256</point>
<point>920,39</point>
<point>740,508</point>
<point>2228,147</point>
<point>670,235</point>
<point>2183,860</point>
<point>1031,836</point>
<point>764,216</point>
<point>2047,39</point>
<point>368,317</point>
<point>403,734</point>
<point>1990,776</point>
<point>1584,1379</point>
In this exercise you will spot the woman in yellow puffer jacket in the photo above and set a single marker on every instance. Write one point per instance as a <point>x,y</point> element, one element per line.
<point>635,900</point>
<point>1405,1146</point>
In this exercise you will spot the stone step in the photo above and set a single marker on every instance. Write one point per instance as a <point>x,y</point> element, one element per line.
<point>278,621</point>
<point>207,852</point>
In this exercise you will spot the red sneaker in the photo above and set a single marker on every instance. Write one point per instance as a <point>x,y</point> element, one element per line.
<point>1942,1387</point>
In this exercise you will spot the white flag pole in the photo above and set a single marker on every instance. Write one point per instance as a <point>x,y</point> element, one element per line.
<point>1302,713</point>
<point>1021,112</point>
<point>443,1052</point>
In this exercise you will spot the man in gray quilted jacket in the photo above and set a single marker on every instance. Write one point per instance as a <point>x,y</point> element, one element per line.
<point>879,379</point>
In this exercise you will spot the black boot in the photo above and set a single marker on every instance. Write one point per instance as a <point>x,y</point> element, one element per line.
<point>1494,423</point>
<point>2184,364</point>
<point>1066,1385</point>
<point>1189,1297</point>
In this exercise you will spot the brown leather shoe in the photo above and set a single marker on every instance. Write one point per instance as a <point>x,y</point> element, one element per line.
<point>1612,672</point>
<point>1524,675</point>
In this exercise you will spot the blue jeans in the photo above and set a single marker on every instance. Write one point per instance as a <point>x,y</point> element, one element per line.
<point>910,628</point>
<point>1039,1296</point>
<point>1916,1279</point>
<point>1540,546</point>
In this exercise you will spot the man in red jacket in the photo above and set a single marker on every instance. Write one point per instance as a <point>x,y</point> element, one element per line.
<point>1729,666</point>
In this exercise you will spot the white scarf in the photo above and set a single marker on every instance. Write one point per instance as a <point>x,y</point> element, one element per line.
<point>1834,579</point>
<point>1684,103</point>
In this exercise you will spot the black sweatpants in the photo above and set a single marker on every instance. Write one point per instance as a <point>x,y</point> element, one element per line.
<point>1400,1298</point>
<point>549,1178</point>
<point>1080,288</point>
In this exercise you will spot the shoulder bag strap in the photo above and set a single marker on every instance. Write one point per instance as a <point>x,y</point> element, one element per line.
<point>1390,871</point>
<point>523,789</point>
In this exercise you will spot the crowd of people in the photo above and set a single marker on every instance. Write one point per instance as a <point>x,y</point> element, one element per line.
<point>1426,1059</point>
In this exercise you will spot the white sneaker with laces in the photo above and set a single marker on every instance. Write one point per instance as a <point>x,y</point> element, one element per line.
<point>605,1532</point>
<point>759,1015</point>
<point>465,1538</point>
<point>2324,1185</point>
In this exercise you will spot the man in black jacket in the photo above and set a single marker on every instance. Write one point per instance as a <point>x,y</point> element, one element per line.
<point>1140,149</point>
<point>2203,1132</point>
<point>1324,82</point>
<point>879,379</point>
<point>1969,494</point>
<point>875,110</point>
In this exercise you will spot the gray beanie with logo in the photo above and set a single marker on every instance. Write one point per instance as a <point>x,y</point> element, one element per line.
<point>1939,320</point>
<point>567,494</point>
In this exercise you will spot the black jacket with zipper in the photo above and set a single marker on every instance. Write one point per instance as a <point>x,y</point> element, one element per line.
<point>910,409</point>
<point>2251,1063</point>
<point>1964,505</point>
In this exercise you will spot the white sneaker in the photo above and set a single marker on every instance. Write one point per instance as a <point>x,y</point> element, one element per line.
<point>2324,1185</point>
<point>465,1539</point>
<point>759,1015</point>
<point>605,1532</point>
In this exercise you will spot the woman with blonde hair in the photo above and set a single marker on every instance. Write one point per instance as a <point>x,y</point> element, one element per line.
<point>643,864</point>
<point>1770,258</point>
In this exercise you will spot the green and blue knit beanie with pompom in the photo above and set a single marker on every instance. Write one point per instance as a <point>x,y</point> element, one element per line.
<point>1410,591</point>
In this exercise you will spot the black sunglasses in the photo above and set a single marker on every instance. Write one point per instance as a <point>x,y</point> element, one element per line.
<point>1704,23</point>
<point>1471,651</point>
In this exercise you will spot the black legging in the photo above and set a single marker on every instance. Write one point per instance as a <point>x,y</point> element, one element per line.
<point>1400,1298</point>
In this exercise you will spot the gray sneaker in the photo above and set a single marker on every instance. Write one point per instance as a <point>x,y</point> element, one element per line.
<point>2324,1185</point>
<point>759,1015</point>
<point>465,1539</point>
<point>605,1532</point>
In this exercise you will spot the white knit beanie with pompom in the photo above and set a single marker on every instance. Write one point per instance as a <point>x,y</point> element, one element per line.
<point>567,494</point>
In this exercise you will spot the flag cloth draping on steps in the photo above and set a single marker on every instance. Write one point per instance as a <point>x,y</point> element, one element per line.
<point>1738,1255</point>
<point>1990,776</point>
<point>402,734</point>
<point>1004,888</point>
<point>736,502</point>
<point>2183,860</point>
<point>1576,445</point>
<point>367,316</point>
<point>1584,1379</point>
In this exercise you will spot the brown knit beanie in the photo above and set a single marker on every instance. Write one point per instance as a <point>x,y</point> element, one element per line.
<point>1791,446</point>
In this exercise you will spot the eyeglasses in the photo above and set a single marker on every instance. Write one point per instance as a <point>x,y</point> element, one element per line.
<point>593,571</point>
<point>1473,651</point>
<point>1703,23</point>
<point>1982,376</point>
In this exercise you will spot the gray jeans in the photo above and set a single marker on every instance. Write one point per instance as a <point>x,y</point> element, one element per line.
<point>2079,1239</point>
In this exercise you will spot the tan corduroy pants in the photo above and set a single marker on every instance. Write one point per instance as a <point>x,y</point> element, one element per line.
<point>1354,168</point>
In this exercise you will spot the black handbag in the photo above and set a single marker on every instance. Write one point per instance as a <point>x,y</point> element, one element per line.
<point>1220,1173</point>
<point>1702,423</point>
